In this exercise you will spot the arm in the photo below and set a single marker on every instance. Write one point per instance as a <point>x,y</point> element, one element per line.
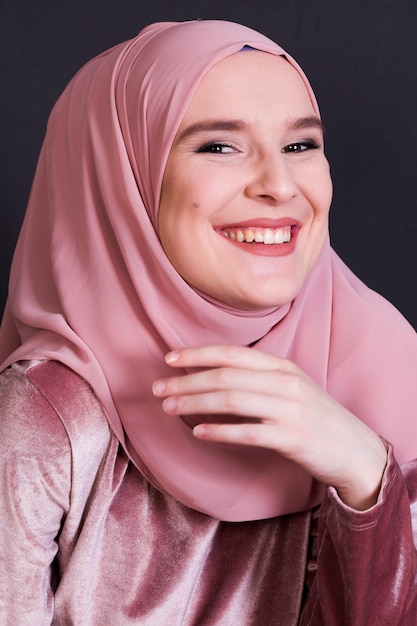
<point>365,532</point>
<point>35,470</point>
<point>367,561</point>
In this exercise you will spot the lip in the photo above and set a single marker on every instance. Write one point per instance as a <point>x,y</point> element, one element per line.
<point>262,223</point>
<point>261,249</point>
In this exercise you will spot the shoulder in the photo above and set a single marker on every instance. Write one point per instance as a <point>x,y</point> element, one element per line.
<point>46,406</point>
<point>27,417</point>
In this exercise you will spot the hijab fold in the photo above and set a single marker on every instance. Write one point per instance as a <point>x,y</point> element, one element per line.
<point>91,286</point>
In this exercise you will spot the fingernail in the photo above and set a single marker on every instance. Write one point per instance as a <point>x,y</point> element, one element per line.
<point>172,356</point>
<point>158,387</point>
<point>199,431</point>
<point>169,405</point>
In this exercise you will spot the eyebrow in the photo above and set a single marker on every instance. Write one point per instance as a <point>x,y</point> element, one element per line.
<point>301,123</point>
<point>211,126</point>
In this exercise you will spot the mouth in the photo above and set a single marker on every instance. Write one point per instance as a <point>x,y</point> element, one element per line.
<point>257,235</point>
<point>263,236</point>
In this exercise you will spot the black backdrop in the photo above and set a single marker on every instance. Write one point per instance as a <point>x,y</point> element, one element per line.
<point>361,57</point>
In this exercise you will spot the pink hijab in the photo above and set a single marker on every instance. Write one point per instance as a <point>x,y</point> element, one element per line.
<point>91,286</point>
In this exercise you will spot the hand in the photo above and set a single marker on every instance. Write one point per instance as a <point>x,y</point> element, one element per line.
<point>291,414</point>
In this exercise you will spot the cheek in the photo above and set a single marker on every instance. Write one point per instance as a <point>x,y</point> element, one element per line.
<point>320,193</point>
<point>175,227</point>
<point>326,185</point>
<point>328,191</point>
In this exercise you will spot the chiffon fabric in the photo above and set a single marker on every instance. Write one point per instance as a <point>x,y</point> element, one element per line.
<point>92,288</point>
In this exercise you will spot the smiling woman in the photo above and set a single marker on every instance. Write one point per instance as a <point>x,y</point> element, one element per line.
<point>247,168</point>
<point>206,418</point>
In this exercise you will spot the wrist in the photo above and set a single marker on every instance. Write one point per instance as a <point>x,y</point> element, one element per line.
<point>362,490</point>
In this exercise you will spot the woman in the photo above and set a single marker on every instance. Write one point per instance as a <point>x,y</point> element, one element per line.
<point>192,379</point>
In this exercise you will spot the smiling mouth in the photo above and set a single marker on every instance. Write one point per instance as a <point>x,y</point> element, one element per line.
<point>267,236</point>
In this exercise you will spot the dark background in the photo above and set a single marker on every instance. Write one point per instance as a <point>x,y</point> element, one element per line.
<point>361,58</point>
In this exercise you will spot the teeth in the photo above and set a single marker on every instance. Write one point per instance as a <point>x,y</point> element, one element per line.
<point>249,235</point>
<point>266,236</point>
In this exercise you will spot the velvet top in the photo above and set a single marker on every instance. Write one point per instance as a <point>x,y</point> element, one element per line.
<point>126,552</point>
<point>87,540</point>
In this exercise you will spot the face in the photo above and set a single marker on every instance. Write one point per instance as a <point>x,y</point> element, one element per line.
<point>246,191</point>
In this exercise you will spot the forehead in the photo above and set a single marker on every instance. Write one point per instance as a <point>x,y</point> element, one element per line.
<point>251,79</point>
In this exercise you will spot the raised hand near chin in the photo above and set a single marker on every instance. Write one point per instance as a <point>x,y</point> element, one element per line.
<point>289,413</point>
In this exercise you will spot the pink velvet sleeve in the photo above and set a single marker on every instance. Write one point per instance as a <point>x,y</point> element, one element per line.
<point>367,563</point>
<point>35,478</point>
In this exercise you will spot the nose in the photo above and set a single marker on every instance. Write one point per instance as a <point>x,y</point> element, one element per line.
<point>272,180</point>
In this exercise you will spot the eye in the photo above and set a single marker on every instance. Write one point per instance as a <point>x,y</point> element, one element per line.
<point>300,146</point>
<point>217,147</point>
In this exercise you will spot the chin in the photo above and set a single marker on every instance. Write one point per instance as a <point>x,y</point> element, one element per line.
<point>249,304</point>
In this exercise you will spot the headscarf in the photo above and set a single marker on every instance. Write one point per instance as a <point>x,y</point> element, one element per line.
<point>92,288</point>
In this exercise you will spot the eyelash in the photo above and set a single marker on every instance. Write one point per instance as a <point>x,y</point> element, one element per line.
<point>216,147</point>
<point>301,146</point>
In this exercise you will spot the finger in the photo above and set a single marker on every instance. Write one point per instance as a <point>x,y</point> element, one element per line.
<point>255,435</point>
<point>225,356</point>
<point>243,404</point>
<point>270,382</point>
